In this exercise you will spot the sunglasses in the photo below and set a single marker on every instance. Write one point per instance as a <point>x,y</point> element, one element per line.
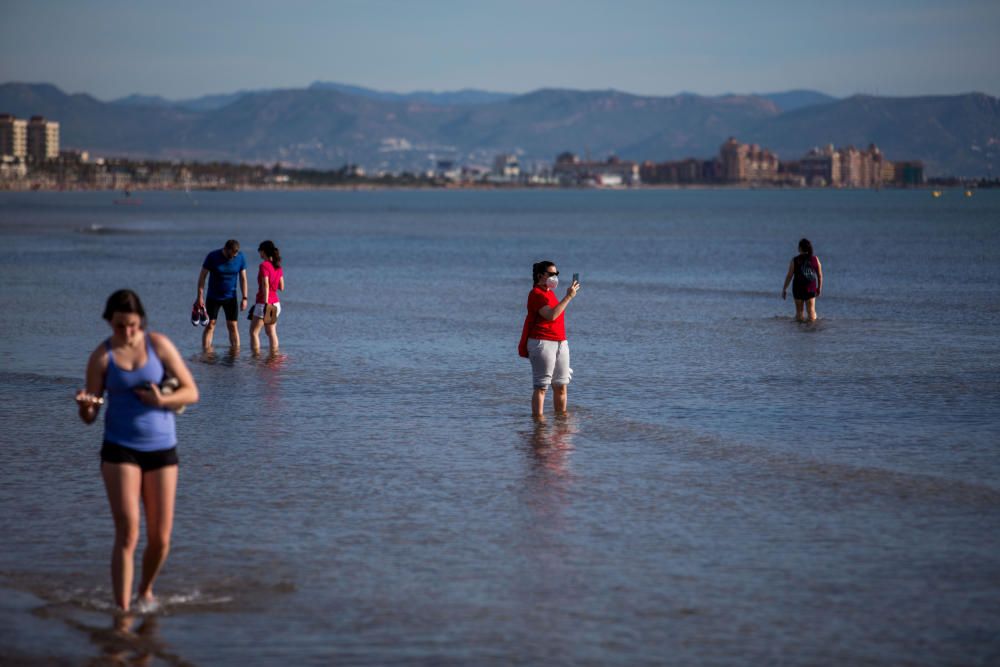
<point>552,273</point>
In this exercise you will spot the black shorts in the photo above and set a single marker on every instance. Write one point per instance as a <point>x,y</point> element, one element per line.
<point>802,294</point>
<point>229,306</point>
<point>161,458</point>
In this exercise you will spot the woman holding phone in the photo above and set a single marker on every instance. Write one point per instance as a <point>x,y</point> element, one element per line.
<point>139,454</point>
<point>543,338</point>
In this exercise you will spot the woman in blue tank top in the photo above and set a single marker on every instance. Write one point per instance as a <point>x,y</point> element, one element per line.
<point>139,454</point>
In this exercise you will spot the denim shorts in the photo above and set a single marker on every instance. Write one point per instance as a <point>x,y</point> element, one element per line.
<point>549,362</point>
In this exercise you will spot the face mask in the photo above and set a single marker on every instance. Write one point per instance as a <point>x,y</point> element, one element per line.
<point>552,282</point>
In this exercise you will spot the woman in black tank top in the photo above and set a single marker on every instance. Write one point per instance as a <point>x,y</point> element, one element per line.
<point>806,275</point>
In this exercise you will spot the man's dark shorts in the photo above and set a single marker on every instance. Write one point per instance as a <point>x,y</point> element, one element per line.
<point>229,306</point>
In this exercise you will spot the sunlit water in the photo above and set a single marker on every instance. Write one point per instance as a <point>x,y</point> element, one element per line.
<point>730,488</point>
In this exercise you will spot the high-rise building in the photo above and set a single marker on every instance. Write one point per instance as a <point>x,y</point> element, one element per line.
<point>846,167</point>
<point>821,167</point>
<point>43,139</point>
<point>733,156</point>
<point>13,136</point>
<point>747,163</point>
<point>850,167</point>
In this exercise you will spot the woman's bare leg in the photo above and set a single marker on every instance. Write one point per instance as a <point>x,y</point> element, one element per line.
<point>255,328</point>
<point>538,401</point>
<point>272,336</point>
<point>559,396</point>
<point>811,310</point>
<point>159,488</point>
<point>123,482</point>
<point>799,306</point>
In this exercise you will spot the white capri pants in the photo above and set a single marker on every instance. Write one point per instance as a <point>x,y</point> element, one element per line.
<point>549,362</point>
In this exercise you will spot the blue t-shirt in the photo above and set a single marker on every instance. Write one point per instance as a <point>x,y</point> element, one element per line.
<point>223,274</point>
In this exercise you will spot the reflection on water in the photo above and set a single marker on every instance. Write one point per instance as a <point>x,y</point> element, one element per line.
<point>549,478</point>
<point>271,395</point>
<point>231,356</point>
<point>274,359</point>
<point>129,641</point>
<point>211,356</point>
<point>551,444</point>
<point>125,639</point>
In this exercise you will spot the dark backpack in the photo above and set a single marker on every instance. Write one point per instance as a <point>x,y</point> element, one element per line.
<point>806,271</point>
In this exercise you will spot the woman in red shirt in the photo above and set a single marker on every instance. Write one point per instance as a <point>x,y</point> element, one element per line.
<point>270,279</point>
<point>543,338</point>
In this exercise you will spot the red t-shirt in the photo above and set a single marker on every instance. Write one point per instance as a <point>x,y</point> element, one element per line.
<point>541,328</point>
<point>273,276</point>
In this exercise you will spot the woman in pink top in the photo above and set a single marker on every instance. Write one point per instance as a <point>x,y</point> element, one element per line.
<point>270,279</point>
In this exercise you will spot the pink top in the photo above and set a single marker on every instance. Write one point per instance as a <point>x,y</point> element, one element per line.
<point>273,276</point>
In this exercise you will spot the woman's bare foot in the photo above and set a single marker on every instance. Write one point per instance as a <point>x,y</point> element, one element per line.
<point>145,604</point>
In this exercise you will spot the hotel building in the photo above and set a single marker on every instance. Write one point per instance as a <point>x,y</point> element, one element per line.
<point>747,163</point>
<point>43,139</point>
<point>13,137</point>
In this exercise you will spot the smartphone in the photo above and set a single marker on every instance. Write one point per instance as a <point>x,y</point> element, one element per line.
<point>91,399</point>
<point>576,277</point>
<point>146,385</point>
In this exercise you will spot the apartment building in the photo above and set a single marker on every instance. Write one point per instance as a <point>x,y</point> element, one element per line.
<point>747,163</point>
<point>43,139</point>
<point>13,137</point>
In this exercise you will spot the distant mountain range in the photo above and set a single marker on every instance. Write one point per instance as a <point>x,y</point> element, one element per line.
<point>785,101</point>
<point>212,102</point>
<point>329,124</point>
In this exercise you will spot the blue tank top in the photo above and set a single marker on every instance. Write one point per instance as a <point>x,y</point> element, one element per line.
<point>128,421</point>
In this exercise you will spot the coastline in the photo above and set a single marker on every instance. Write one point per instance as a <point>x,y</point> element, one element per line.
<point>476,187</point>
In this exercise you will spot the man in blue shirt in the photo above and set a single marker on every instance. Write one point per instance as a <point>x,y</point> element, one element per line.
<point>223,268</point>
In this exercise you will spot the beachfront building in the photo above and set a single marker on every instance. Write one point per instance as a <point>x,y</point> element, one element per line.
<point>683,172</point>
<point>871,170</point>
<point>861,169</point>
<point>570,170</point>
<point>506,168</point>
<point>12,169</point>
<point>847,167</point>
<point>850,167</point>
<point>43,140</point>
<point>910,172</point>
<point>888,171</point>
<point>446,170</point>
<point>13,137</point>
<point>820,167</point>
<point>747,163</point>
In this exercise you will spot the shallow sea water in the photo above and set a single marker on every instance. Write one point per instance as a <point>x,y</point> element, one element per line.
<point>729,488</point>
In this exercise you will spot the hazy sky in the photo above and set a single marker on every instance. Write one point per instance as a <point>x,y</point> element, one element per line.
<point>112,48</point>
